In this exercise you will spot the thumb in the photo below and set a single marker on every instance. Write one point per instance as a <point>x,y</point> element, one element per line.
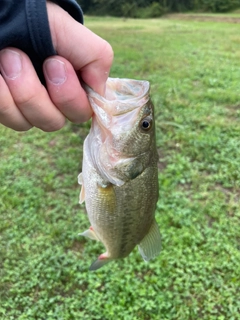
<point>90,55</point>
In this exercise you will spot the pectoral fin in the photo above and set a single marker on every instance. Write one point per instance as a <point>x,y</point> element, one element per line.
<point>80,179</point>
<point>89,233</point>
<point>150,246</point>
<point>82,193</point>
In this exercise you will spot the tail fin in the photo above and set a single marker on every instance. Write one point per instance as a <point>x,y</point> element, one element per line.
<point>100,262</point>
<point>150,246</point>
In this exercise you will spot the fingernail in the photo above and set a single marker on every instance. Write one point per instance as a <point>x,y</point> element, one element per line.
<point>11,63</point>
<point>55,71</point>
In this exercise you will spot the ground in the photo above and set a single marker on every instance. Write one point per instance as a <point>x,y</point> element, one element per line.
<point>194,70</point>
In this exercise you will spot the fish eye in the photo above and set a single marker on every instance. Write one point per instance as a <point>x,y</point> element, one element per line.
<point>146,123</point>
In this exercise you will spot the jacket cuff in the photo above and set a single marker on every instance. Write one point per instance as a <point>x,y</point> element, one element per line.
<point>38,27</point>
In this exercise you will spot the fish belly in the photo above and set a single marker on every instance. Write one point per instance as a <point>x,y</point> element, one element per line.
<point>121,216</point>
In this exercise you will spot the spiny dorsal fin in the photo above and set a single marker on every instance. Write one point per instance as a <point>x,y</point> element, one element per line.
<point>150,246</point>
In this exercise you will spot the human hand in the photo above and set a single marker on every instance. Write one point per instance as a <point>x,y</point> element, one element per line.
<point>25,102</point>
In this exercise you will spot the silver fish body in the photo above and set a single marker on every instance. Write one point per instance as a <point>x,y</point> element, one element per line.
<point>119,175</point>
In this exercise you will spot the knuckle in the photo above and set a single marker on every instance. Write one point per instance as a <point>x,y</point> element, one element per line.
<point>52,126</point>
<point>64,100</point>
<point>5,109</point>
<point>26,98</point>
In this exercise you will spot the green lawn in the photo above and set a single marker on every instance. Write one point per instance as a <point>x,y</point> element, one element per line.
<point>194,70</point>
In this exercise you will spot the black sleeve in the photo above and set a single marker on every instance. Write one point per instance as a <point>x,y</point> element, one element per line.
<point>24,25</point>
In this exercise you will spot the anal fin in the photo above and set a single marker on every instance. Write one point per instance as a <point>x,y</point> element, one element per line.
<point>100,262</point>
<point>150,246</point>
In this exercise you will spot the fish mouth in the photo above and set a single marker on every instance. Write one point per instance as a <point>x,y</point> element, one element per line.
<point>121,96</point>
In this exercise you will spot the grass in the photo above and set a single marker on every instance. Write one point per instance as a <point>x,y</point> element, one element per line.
<point>194,70</point>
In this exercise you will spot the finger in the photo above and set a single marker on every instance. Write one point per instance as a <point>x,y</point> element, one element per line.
<point>10,116</point>
<point>65,90</point>
<point>96,72</point>
<point>28,93</point>
<point>88,53</point>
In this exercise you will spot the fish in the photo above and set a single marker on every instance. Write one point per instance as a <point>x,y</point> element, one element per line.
<point>119,178</point>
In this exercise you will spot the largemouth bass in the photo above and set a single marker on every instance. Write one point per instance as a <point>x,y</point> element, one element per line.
<point>119,173</point>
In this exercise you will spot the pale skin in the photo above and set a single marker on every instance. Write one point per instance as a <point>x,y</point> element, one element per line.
<point>26,103</point>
